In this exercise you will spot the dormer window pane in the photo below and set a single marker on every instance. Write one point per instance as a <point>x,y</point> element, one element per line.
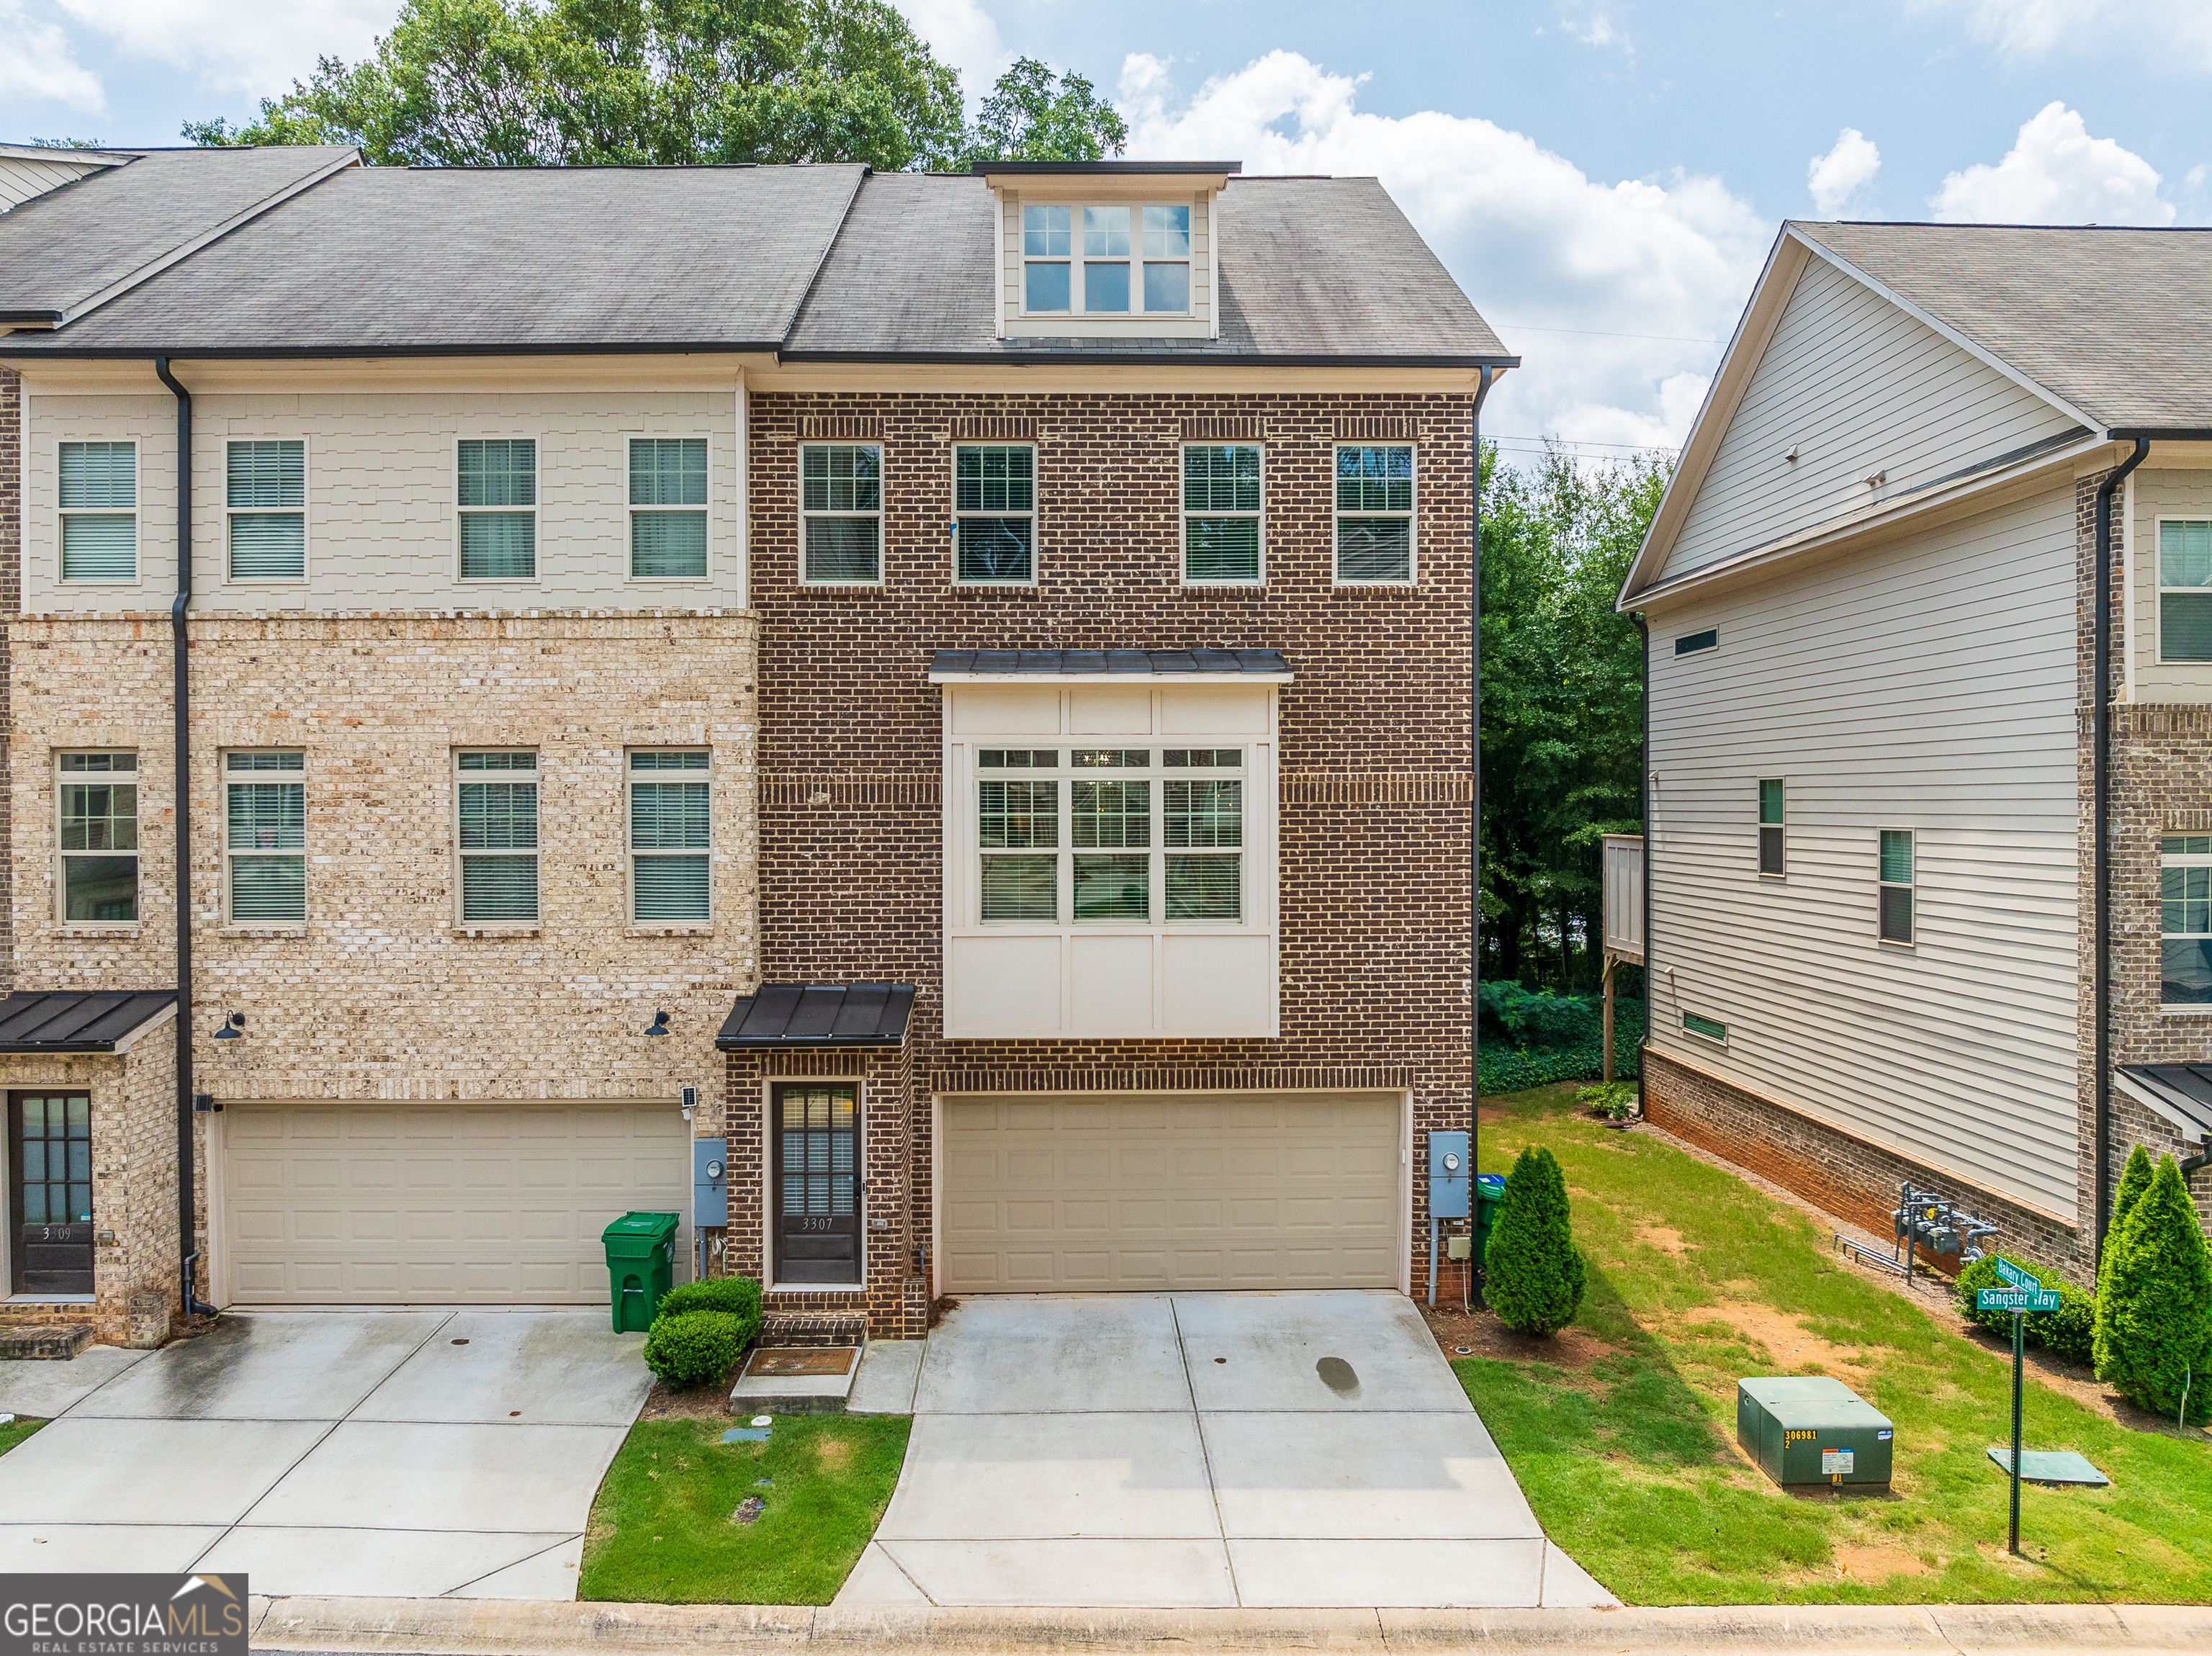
<point>1106,233</point>
<point>1045,231</point>
<point>1106,287</point>
<point>1047,240</point>
<point>1048,288</point>
<point>1167,287</point>
<point>1167,233</point>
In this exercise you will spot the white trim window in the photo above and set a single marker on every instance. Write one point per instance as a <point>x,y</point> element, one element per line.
<point>497,491</point>
<point>994,513</point>
<point>265,837</point>
<point>841,511</point>
<point>1896,873</point>
<point>96,804</point>
<point>1224,529</point>
<point>2184,589</point>
<point>668,508</point>
<point>99,491</point>
<point>2184,875</point>
<point>495,835</point>
<point>1375,514</point>
<point>1135,259</point>
<point>1070,833</point>
<point>1773,800</point>
<point>671,827</point>
<point>265,506</point>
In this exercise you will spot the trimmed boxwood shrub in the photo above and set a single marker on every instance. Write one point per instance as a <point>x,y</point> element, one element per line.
<point>2154,1316</point>
<point>740,1296</point>
<point>2069,1331</point>
<point>695,1348</point>
<point>1534,1273</point>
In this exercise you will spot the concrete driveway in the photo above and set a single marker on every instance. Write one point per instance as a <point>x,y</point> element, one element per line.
<point>1280,1450</point>
<point>411,1453</point>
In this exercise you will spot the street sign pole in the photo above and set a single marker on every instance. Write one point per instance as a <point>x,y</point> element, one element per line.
<point>2021,1294</point>
<point>2019,1341</point>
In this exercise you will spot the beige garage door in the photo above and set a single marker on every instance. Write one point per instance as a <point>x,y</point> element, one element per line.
<point>441,1203</point>
<point>1154,1191</point>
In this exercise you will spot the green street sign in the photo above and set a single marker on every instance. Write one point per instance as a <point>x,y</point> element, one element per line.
<point>2016,1299</point>
<point>2014,1275</point>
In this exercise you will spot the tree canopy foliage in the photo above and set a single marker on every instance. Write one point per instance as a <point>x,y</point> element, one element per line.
<point>1562,705</point>
<point>634,82</point>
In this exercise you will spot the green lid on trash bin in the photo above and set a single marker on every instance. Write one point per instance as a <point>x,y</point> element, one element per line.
<point>641,1231</point>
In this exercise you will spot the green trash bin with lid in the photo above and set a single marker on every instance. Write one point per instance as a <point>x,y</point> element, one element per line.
<point>1489,1198</point>
<point>640,1264</point>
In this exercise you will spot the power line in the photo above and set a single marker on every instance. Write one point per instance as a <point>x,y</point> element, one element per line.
<point>1602,333</point>
<point>1570,442</point>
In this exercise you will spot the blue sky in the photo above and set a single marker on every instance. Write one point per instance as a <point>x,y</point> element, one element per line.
<point>1604,179</point>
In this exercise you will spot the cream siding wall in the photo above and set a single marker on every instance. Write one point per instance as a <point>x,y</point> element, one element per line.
<point>382,530</point>
<point>1928,685</point>
<point>2156,492</point>
<point>1857,386</point>
<point>21,180</point>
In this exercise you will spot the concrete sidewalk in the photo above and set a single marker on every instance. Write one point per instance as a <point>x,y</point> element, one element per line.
<point>449,1627</point>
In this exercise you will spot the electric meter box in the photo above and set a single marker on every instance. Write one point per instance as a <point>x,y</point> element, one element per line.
<point>1808,1428</point>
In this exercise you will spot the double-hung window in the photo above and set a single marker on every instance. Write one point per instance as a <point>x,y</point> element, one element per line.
<point>1221,512</point>
<point>496,803</point>
<point>671,838</point>
<point>995,511</point>
<point>1132,259</point>
<point>841,509</point>
<point>98,794</point>
<point>2184,589</point>
<point>267,506</point>
<point>1101,836</point>
<point>2185,923</point>
<point>1770,825</point>
<point>265,837</point>
<point>1374,515</point>
<point>100,511</point>
<point>1896,885</point>
<point>498,493</point>
<point>668,508</point>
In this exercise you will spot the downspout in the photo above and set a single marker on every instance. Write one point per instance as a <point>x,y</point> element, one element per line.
<point>2100,762</point>
<point>1643,799</point>
<point>1489,377</point>
<point>181,703</point>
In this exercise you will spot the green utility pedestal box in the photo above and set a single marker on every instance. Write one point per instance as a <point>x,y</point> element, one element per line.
<point>1808,1429</point>
<point>640,1261</point>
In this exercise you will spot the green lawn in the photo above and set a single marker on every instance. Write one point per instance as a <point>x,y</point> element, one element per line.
<point>662,1530</point>
<point>15,1431</point>
<point>1695,1278</point>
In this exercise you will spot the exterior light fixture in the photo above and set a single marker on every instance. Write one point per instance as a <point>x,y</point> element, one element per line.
<point>231,1025</point>
<point>660,1024</point>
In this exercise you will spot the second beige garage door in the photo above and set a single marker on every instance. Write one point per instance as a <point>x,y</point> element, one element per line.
<point>456,1203</point>
<point>1150,1191</point>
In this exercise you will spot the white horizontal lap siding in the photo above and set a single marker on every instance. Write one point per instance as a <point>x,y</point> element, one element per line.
<point>20,180</point>
<point>1928,685</point>
<point>1857,386</point>
<point>2162,493</point>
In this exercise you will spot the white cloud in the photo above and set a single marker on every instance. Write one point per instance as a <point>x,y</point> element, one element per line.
<point>255,46</point>
<point>1534,242</point>
<point>962,34</point>
<point>2030,29</point>
<point>2056,173</point>
<point>1597,30</point>
<point>36,64</point>
<point>1840,174</point>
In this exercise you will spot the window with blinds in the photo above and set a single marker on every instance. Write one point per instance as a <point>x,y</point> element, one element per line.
<point>2185,919</point>
<point>1896,885</point>
<point>98,834</point>
<point>99,512</point>
<point>1374,515</point>
<point>495,803</point>
<point>2184,589</point>
<point>994,513</point>
<point>671,837</point>
<point>265,837</point>
<point>841,509</point>
<point>668,508</point>
<point>497,490</point>
<point>266,504</point>
<point>1222,535</point>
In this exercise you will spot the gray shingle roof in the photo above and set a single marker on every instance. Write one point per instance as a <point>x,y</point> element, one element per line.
<point>1317,268</point>
<point>593,258</point>
<point>78,1021</point>
<point>59,249</point>
<point>2116,322</point>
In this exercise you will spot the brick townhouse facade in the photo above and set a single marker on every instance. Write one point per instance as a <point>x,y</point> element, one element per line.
<point>961,780</point>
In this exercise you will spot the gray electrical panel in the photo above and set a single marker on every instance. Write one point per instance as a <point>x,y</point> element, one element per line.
<point>710,1183</point>
<point>1448,1175</point>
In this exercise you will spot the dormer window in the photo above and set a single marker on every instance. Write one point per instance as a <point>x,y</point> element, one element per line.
<point>1134,258</point>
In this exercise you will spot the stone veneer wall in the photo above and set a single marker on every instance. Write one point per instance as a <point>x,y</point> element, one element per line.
<point>1375,790</point>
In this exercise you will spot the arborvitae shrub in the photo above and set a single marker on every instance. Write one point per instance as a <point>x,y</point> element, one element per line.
<point>2135,1179</point>
<point>2154,1316</point>
<point>1535,1272</point>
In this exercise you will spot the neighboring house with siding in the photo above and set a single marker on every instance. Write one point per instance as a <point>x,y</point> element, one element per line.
<point>1874,827</point>
<point>972,702</point>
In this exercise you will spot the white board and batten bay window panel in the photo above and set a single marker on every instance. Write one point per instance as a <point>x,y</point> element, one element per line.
<point>1857,387</point>
<point>1889,693</point>
<point>1111,860</point>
